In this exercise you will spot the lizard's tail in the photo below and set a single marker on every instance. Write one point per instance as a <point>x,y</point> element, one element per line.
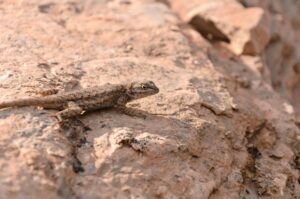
<point>20,102</point>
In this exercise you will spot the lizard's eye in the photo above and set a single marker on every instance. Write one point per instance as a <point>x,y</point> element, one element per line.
<point>143,86</point>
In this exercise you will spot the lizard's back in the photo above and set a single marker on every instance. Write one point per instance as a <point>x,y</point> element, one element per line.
<point>89,98</point>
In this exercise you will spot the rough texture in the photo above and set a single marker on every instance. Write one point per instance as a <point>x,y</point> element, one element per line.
<point>76,103</point>
<point>246,30</point>
<point>217,129</point>
<point>282,54</point>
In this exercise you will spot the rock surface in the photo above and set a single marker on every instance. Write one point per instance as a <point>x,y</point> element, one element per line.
<point>221,126</point>
<point>245,29</point>
<point>282,54</point>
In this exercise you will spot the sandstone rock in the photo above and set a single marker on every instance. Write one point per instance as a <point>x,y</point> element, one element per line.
<point>217,129</point>
<point>245,29</point>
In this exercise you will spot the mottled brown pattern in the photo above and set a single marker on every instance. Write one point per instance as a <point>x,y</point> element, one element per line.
<point>76,102</point>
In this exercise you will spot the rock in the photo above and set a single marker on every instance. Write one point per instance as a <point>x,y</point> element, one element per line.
<point>245,29</point>
<point>217,129</point>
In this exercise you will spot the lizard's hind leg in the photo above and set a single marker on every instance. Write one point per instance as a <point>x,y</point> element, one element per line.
<point>72,110</point>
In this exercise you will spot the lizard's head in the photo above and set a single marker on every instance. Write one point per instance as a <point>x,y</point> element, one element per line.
<point>137,90</point>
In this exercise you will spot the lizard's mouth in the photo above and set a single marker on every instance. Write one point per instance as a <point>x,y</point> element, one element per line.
<point>142,89</point>
<point>153,90</point>
<point>145,93</point>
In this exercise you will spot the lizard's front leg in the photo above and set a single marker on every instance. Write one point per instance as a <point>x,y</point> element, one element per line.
<point>121,105</point>
<point>72,110</point>
<point>131,111</point>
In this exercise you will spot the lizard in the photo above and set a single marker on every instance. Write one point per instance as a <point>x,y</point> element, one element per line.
<point>74,103</point>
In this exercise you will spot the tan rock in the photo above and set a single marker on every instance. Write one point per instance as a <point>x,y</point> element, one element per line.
<point>245,29</point>
<point>215,130</point>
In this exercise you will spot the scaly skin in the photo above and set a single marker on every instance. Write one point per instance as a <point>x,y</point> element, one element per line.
<point>77,102</point>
